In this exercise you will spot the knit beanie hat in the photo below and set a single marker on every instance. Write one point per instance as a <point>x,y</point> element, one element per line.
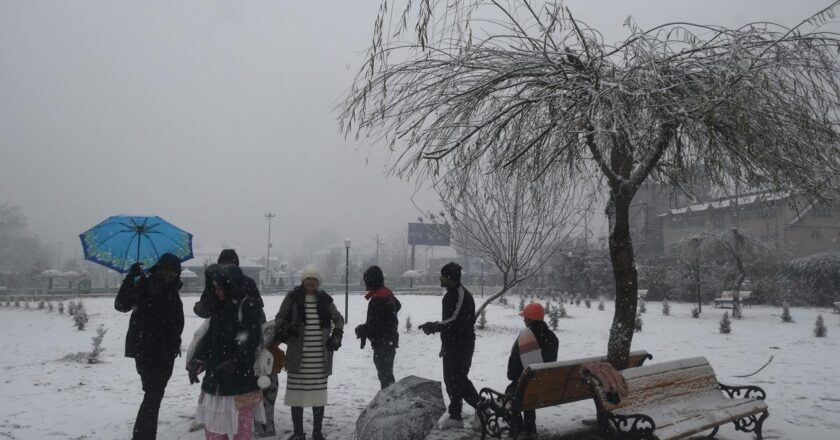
<point>374,278</point>
<point>311,271</point>
<point>228,256</point>
<point>452,271</point>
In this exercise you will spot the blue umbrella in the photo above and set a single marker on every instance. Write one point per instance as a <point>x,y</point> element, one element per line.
<point>120,241</point>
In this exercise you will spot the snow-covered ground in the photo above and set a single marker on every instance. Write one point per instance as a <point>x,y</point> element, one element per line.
<point>45,397</point>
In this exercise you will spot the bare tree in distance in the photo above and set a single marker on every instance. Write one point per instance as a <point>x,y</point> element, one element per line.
<point>514,221</point>
<point>447,82</point>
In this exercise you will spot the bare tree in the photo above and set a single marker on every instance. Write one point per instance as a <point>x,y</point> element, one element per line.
<point>513,220</point>
<point>757,104</point>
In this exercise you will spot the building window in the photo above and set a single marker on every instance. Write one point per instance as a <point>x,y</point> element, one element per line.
<point>823,212</point>
<point>815,234</point>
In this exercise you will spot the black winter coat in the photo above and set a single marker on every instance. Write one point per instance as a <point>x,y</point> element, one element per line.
<point>157,317</point>
<point>203,308</point>
<point>548,343</point>
<point>232,341</point>
<point>457,326</point>
<point>382,325</point>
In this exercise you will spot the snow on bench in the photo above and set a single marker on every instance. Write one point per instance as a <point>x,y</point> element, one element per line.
<point>727,298</point>
<point>540,386</point>
<point>679,399</point>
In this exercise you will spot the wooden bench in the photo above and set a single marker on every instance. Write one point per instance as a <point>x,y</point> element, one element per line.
<point>540,386</point>
<point>678,399</point>
<point>727,298</point>
<point>837,307</point>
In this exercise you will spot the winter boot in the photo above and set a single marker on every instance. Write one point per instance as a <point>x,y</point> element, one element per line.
<point>297,437</point>
<point>451,423</point>
<point>318,436</point>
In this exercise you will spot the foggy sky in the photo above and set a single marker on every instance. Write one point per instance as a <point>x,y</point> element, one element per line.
<point>211,113</point>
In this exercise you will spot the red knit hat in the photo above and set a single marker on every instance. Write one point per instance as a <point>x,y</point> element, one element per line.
<point>533,311</point>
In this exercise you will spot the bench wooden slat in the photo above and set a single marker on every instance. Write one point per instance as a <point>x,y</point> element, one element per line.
<point>686,417</point>
<point>555,383</point>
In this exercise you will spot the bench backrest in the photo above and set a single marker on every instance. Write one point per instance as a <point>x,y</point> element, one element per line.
<point>730,294</point>
<point>555,383</point>
<point>653,383</point>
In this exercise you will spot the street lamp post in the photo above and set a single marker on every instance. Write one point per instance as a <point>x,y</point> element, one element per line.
<point>571,274</point>
<point>268,216</point>
<point>347,281</point>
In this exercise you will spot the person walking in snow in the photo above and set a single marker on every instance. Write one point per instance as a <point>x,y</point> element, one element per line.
<point>457,337</point>
<point>154,333</point>
<point>535,344</point>
<point>230,401</point>
<point>312,328</point>
<point>380,327</point>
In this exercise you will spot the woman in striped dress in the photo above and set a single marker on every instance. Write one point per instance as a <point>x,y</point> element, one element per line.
<point>312,327</point>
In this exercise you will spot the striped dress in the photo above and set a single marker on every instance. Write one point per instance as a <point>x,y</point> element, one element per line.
<point>308,387</point>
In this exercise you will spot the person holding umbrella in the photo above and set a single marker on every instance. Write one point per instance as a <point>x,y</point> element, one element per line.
<point>154,332</point>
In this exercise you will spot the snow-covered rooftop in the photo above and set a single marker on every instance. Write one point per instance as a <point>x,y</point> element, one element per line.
<point>730,202</point>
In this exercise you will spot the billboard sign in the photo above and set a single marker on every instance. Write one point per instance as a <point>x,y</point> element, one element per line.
<point>425,234</point>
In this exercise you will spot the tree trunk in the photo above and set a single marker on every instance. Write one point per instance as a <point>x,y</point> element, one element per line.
<point>506,285</point>
<point>626,281</point>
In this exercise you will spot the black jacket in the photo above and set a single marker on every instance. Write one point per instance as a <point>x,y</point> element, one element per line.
<point>232,341</point>
<point>548,343</point>
<point>457,325</point>
<point>381,325</point>
<point>203,308</point>
<point>293,318</point>
<point>157,317</point>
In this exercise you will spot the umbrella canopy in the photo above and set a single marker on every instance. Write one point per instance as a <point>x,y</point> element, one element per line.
<point>120,241</point>
<point>188,274</point>
<point>411,274</point>
<point>49,273</point>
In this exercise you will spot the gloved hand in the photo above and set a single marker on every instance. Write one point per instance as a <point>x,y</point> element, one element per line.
<point>360,331</point>
<point>334,342</point>
<point>136,270</point>
<point>194,368</point>
<point>430,327</point>
<point>228,366</point>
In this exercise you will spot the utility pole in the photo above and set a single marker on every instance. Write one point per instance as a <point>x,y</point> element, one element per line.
<point>268,216</point>
<point>378,245</point>
<point>59,257</point>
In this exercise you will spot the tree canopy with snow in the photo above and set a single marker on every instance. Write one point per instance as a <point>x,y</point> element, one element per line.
<point>447,82</point>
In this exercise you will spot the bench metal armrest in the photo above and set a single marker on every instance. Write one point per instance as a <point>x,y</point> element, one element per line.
<point>498,403</point>
<point>631,426</point>
<point>744,391</point>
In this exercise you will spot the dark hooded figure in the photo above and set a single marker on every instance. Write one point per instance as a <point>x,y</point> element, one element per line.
<point>226,355</point>
<point>381,325</point>
<point>154,332</point>
<point>457,337</point>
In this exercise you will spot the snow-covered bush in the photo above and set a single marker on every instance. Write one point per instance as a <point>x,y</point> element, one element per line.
<point>695,312</point>
<point>521,303</point>
<point>642,306</point>
<point>666,307</point>
<point>93,356</point>
<point>81,317</point>
<point>786,313</point>
<point>637,326</point>
<point>41,305</point>
<point>725,324</point>
<point>49,306</point>
<point>482,320</point>
<point>61,307</point>
<point>554,317</point>
<point>820,330</point>
<point>408,324</point>
<point>561,311</point>
<point>17,302</point>
<point>71,308</point>
<point>601,304</point>
<point>588,303</point>
<point>577,300</point>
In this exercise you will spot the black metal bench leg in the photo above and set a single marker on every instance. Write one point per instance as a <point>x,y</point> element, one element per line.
<point>714,432</point>
<point>759,425</point>
<point>752,424</point>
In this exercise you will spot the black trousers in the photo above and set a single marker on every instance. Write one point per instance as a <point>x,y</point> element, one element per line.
<point>456,367</point>
<point>525,421</point>
<point>383,359</point>
<point>154,375</point>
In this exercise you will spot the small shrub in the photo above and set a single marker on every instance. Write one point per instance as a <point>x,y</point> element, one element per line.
<point>96,352</point>
<point>8,301</point>
<point>786,313</point>
<point>17,302</point>
<point>666,307</point>
<point>554,318</point>
<point>26,304</point>
<point>601,305</point>
<point>695,313</point>
<point>577,301</point>
<point>80,318</point>
<point>588,303</point>
<point>561,311</point>
<point>820,330</point>
<point>725,324</point>
<point>49,306</point>
<point>71,308</point>
<point>503,301</point>
<point>61,307</point>
<point>642,306</point>
<point>521,304</point>
<point>41,305</point>
<point>482,320</point>
<point>638,324</point>
<point>408,324</point>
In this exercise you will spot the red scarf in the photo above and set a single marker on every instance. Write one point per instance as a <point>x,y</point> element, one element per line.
<point>382,293</point>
